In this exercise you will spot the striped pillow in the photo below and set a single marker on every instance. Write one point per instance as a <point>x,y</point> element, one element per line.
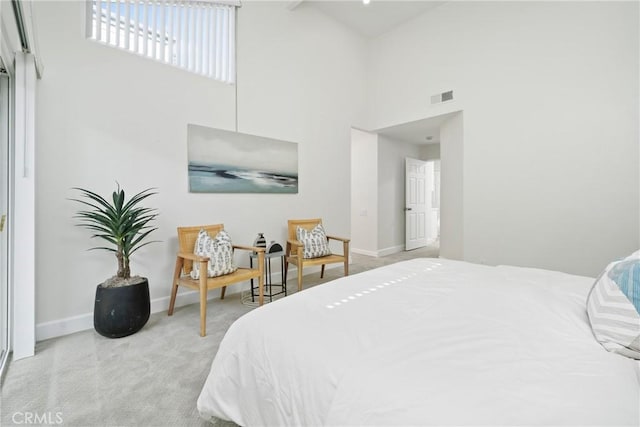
<point>219,249</point>
<point>613,306</point>
<point>314,241</point>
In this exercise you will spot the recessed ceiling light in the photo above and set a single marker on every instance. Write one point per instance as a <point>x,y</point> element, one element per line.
<point>366,1</point>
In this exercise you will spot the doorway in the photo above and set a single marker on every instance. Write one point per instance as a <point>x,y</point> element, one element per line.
<point>378,204</point>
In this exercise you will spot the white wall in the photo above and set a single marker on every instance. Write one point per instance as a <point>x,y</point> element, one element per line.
<point>364,192</point>
<point>452,209</point>
<point>391,192</point>
<point>430,152</point>
<point>550,98</point>
<point>106,115</point>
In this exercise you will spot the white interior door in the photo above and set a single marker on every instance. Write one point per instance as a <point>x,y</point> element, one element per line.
<point>416,203</point>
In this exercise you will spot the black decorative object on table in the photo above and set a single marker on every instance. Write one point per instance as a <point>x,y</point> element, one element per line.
<point>260,241</point>
<point>273,250</point>
<point>274,247</point>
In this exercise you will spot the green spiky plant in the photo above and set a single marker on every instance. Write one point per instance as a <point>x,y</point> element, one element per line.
<point>124,224</point>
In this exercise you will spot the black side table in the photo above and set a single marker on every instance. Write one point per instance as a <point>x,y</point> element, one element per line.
<point>268,284</point>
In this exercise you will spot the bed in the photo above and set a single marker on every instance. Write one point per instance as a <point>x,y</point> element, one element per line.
<point>424,342</point>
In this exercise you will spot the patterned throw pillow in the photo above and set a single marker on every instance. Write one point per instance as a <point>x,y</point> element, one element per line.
<point>314,241</point>
<point>613,306</point>
<point>219,249</point>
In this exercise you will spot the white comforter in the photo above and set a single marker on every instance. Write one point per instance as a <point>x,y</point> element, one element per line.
<point>424,342</point>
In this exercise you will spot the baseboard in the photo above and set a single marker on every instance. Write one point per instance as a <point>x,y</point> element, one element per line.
<point>390,251</point>
<point>379,252</point>
<point>364,252</point>
<point>82,322</point>
<point>69,325</point>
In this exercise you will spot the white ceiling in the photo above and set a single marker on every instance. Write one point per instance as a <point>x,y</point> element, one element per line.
<point>373,19</point>
<point>417,132</point>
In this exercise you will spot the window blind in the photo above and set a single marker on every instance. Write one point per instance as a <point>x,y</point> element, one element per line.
<point>198,36</point>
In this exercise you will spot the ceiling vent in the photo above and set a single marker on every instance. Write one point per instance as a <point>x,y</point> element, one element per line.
<point>442,97</point>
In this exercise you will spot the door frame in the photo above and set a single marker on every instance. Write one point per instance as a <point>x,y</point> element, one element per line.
<point>6,116</point>
<point>23,337</point>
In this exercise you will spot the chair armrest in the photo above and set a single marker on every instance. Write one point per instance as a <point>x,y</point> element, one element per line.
<point>193,257</point>
<point>249,248</point>
<point>342,239</point>
<point>295,243</point>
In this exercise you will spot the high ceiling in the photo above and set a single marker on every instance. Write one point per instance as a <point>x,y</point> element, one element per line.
<point>373,19</point>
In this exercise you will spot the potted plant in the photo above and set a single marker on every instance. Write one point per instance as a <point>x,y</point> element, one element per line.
<point>122,305</point>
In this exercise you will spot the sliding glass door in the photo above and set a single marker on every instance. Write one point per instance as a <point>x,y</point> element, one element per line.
<point>4,220</point>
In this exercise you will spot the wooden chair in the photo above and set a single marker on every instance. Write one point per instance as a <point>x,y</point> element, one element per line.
<point>184,263</point>
<point>293,252</point>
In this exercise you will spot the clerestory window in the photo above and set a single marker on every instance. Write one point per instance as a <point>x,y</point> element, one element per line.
<point>197,36</point>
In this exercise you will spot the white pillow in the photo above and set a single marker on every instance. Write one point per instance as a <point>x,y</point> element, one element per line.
<point>219,249</point>
<point>613,306</point>
<point>314,241</point>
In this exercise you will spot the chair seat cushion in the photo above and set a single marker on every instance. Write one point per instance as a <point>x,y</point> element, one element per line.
<point>314,241</point>
<point>218,249</point>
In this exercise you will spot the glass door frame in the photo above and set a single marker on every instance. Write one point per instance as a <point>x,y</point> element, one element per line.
<point>6,181</point>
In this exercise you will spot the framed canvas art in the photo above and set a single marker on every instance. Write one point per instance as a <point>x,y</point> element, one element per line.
<point>222,161</point>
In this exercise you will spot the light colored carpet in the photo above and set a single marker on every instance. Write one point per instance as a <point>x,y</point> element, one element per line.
<point>152,378</point>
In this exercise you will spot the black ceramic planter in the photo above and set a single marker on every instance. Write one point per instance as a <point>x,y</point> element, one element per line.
<point>121,311</point>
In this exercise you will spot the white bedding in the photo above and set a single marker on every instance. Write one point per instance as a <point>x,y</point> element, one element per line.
<point>424,342</point>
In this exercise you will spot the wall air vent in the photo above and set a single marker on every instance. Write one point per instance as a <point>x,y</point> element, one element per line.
<point>442,97</point>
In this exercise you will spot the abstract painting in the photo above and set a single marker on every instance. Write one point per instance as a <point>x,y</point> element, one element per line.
<point>222,161</point>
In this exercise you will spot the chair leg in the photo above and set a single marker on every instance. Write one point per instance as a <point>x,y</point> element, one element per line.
<point>261,265</point>
<point>203,304</point>
<point>222,291</point>
<point>299,264</point>
<point>261,289</point>
<point>345,249</point>
<point>299,276</point>
<point>285,269</point>
<point>322,271</point>
<point>174,285</point>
